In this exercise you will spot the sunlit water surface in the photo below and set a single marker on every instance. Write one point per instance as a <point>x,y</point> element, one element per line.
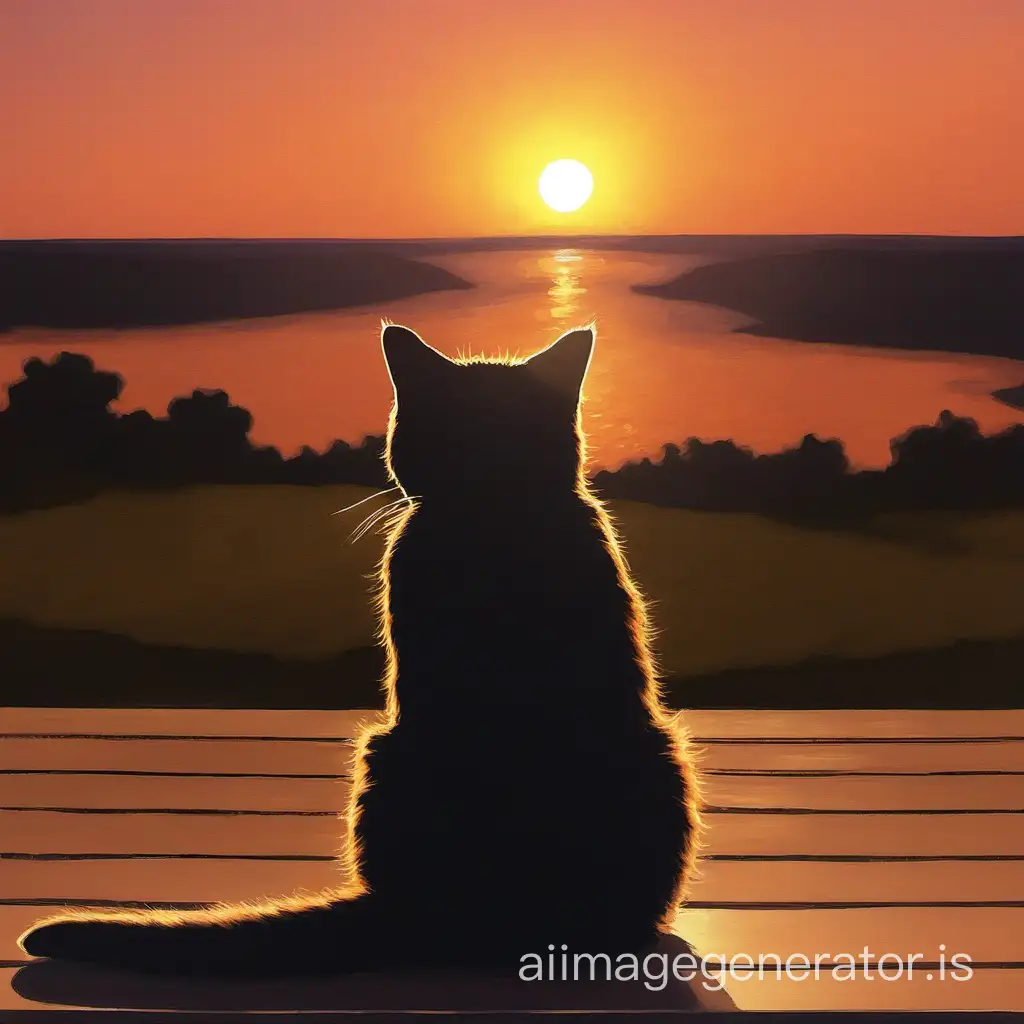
<point>663,371</point>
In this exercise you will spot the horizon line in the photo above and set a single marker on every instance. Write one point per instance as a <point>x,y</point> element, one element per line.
<point>508,237</point>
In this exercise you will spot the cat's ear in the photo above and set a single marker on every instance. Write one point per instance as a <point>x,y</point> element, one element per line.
<point>410,360</point>
<point>563,365</point>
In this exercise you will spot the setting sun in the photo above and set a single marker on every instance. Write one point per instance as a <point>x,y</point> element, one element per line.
<point>566,185</point>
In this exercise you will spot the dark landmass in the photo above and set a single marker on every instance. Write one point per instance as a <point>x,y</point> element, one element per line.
<point>111,283</point>
<point>715,245</point>
<point>967,300</point>
<point>1013,397</point>
<point>143,284</point>
<point>724,245</point>
<point>60,443</point>
<point>51,667</point>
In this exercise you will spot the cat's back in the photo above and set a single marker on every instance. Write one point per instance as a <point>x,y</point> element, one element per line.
<point>549,554</point>
<point>526,613</point>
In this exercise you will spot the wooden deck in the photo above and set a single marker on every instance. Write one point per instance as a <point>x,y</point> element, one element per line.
<point>902,832</point>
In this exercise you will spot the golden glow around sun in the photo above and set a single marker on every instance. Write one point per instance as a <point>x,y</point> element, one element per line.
<point>565,185</point>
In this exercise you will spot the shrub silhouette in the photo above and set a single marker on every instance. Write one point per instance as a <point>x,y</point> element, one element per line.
<point>57,431</point>
<point>953,465</point>
<point>59,411</point>
<point>950,465</point>
<point>208,437</point>
<point>61,441</point>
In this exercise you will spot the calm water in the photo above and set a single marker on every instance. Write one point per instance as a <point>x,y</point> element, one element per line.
<point>663,370</point>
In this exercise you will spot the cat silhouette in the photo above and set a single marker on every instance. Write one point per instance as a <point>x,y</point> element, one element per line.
<point>526,788</point>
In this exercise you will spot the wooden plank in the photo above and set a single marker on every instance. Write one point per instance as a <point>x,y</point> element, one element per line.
<point>851,792</point>
<point>734,834</point>
<point>854,722</point>
<point>843,792</point>
<point>985,934</point>
<point>986,990</point>
<point>754,882</point>
<point>179,880</point>
<point>880,835</point>
<point>184,721</point>
<point>41,832</point>
<point>315,757</point>
<point>134,791</point>
<point>708,723</point>
<point>910,757</point>
<point>293,756</point>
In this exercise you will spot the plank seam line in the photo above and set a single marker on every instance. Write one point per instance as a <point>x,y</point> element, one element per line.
<point>710,809</point>
<point>740,773</point>
<point>701,740</point>
<point>760,858</point>
<point>61,857</point>
<point>173,775</point>
<point>43,901</point>
<point>147,737</point>
<point>918,965</point>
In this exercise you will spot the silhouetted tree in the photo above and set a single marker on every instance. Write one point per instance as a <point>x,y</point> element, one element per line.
<point>806,482</point>
<point>364,464</point>
<point>60,441</point>
<point>303,467</point>
<point>953,465</point>
<point>61,410</point>
<point>266,465</point>
<point>141,450</point>
<point>56,431</point>
<point>208,438</point>
<point>717,476</point>
<point>948,465</point>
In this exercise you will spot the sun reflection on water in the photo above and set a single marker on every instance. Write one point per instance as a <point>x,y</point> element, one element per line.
<point>566,289</point>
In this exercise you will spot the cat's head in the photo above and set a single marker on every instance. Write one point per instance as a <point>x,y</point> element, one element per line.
<point>485,429</point>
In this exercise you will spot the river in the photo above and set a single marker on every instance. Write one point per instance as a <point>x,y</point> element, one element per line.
<point>663,370</point>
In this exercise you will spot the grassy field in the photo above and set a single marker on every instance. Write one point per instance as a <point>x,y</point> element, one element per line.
<point>269,570</point>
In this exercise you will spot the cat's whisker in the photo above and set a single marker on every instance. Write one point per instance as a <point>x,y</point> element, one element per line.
<point>371,520</point>
<point>381,520</point>
<point>366,526</point>
<point>385,522</point>
<point>368,522</point>
<point>363,501</point>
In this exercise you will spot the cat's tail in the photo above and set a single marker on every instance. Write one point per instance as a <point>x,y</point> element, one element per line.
<point>324,935</point>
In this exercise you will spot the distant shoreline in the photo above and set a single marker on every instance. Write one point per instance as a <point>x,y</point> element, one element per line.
<point>733,245</point>
<point>1013,397</point>
<point>918,293</point>
<point>953,300</point>
<point>68,286</point>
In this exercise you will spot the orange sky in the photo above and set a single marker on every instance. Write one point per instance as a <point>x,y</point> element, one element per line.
<point>406,118</point>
